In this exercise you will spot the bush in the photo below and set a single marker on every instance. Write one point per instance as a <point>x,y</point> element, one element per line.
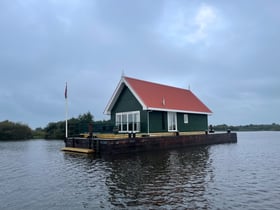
<point>14,131</point>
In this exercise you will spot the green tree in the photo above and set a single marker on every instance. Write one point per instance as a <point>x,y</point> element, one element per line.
<point>38,133</point>
<point>14,131</point>
<point>250,127</point>
<point>56,130</point>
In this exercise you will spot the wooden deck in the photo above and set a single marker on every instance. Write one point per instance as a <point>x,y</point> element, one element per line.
<point>139,135</point>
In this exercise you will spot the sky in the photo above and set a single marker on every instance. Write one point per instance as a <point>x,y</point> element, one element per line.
<point>226,52</point>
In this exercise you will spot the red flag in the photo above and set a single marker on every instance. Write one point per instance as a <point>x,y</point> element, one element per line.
<point>65,92</point>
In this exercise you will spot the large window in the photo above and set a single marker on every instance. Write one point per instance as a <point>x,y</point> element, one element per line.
<point>172,121</point>
<point>128,121</point>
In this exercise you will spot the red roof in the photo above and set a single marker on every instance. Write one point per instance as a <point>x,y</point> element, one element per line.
<point>153,96</point>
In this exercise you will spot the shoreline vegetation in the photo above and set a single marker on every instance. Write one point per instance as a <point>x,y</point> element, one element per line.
<point>83,123</point>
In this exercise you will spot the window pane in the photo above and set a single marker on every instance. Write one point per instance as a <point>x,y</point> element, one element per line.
<point>137,121</point>
<point>118,122</point>
<point>130,122</point>
<point>124,122</point>
<point>172,121</point>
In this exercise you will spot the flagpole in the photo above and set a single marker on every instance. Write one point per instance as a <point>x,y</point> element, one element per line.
<point>66,112</point>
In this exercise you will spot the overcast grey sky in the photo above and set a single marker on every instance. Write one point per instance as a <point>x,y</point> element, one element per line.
<point>226,51</point>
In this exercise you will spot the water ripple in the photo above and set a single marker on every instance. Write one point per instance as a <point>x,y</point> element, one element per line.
<point>36,175</point>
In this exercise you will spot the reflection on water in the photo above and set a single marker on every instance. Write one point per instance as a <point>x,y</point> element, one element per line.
<point>37,175</point>
<point>168,178</point>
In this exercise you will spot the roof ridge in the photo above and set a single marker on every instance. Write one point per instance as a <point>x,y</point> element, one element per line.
<point>156,83</point>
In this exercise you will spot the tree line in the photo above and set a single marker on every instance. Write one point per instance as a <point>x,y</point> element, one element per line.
<point>85,122</point>
<point>14,131</point>
<point>54,130</point>
<point>250,127</point>
<point>57,130</point>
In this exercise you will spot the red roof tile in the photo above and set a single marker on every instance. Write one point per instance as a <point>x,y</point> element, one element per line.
<point>158,96</point>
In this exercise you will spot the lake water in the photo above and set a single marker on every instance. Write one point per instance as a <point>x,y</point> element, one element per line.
<point>35,174</point>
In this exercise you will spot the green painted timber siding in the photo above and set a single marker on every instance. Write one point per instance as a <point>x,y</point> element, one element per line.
<point>159,123</point>
<point>157,119</point>
<point>126,103</point>
<point>197,122</point>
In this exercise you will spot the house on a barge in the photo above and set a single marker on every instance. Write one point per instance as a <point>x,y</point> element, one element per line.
<point>145,107</point>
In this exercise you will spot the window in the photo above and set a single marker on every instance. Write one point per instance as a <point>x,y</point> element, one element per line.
<point>128,121</point>
<point>186,118</point>
<point>172,121</point>
<point>118,122</point>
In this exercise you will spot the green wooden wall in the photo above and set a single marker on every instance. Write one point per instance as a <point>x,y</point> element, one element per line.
<point>197,122</point>
<point>125,103</point>
<point>158,121</point>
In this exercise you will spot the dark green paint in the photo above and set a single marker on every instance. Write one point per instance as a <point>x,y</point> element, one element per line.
<point>126,103</point>
<point>197,122</point>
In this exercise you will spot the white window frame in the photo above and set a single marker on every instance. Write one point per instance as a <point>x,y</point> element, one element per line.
<point>128,121</point>
<point>186,118</point>
<point>172,121</point>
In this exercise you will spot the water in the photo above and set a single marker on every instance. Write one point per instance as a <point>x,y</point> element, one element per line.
<point>37,175</point>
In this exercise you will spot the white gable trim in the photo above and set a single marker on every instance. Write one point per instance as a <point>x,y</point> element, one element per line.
<point>114,97</point>
<point>135,95</point>
<point>117,93</point>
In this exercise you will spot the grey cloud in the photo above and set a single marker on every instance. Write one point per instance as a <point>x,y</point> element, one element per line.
<point>234,69</point>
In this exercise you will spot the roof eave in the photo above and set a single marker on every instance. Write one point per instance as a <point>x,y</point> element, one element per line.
<point>114,97</point>
<point>177,110</point>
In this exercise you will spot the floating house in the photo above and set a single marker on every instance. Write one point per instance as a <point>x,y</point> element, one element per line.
<point>139,106</point>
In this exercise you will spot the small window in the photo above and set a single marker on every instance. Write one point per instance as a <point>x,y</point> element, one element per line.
<point>186,118</point>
